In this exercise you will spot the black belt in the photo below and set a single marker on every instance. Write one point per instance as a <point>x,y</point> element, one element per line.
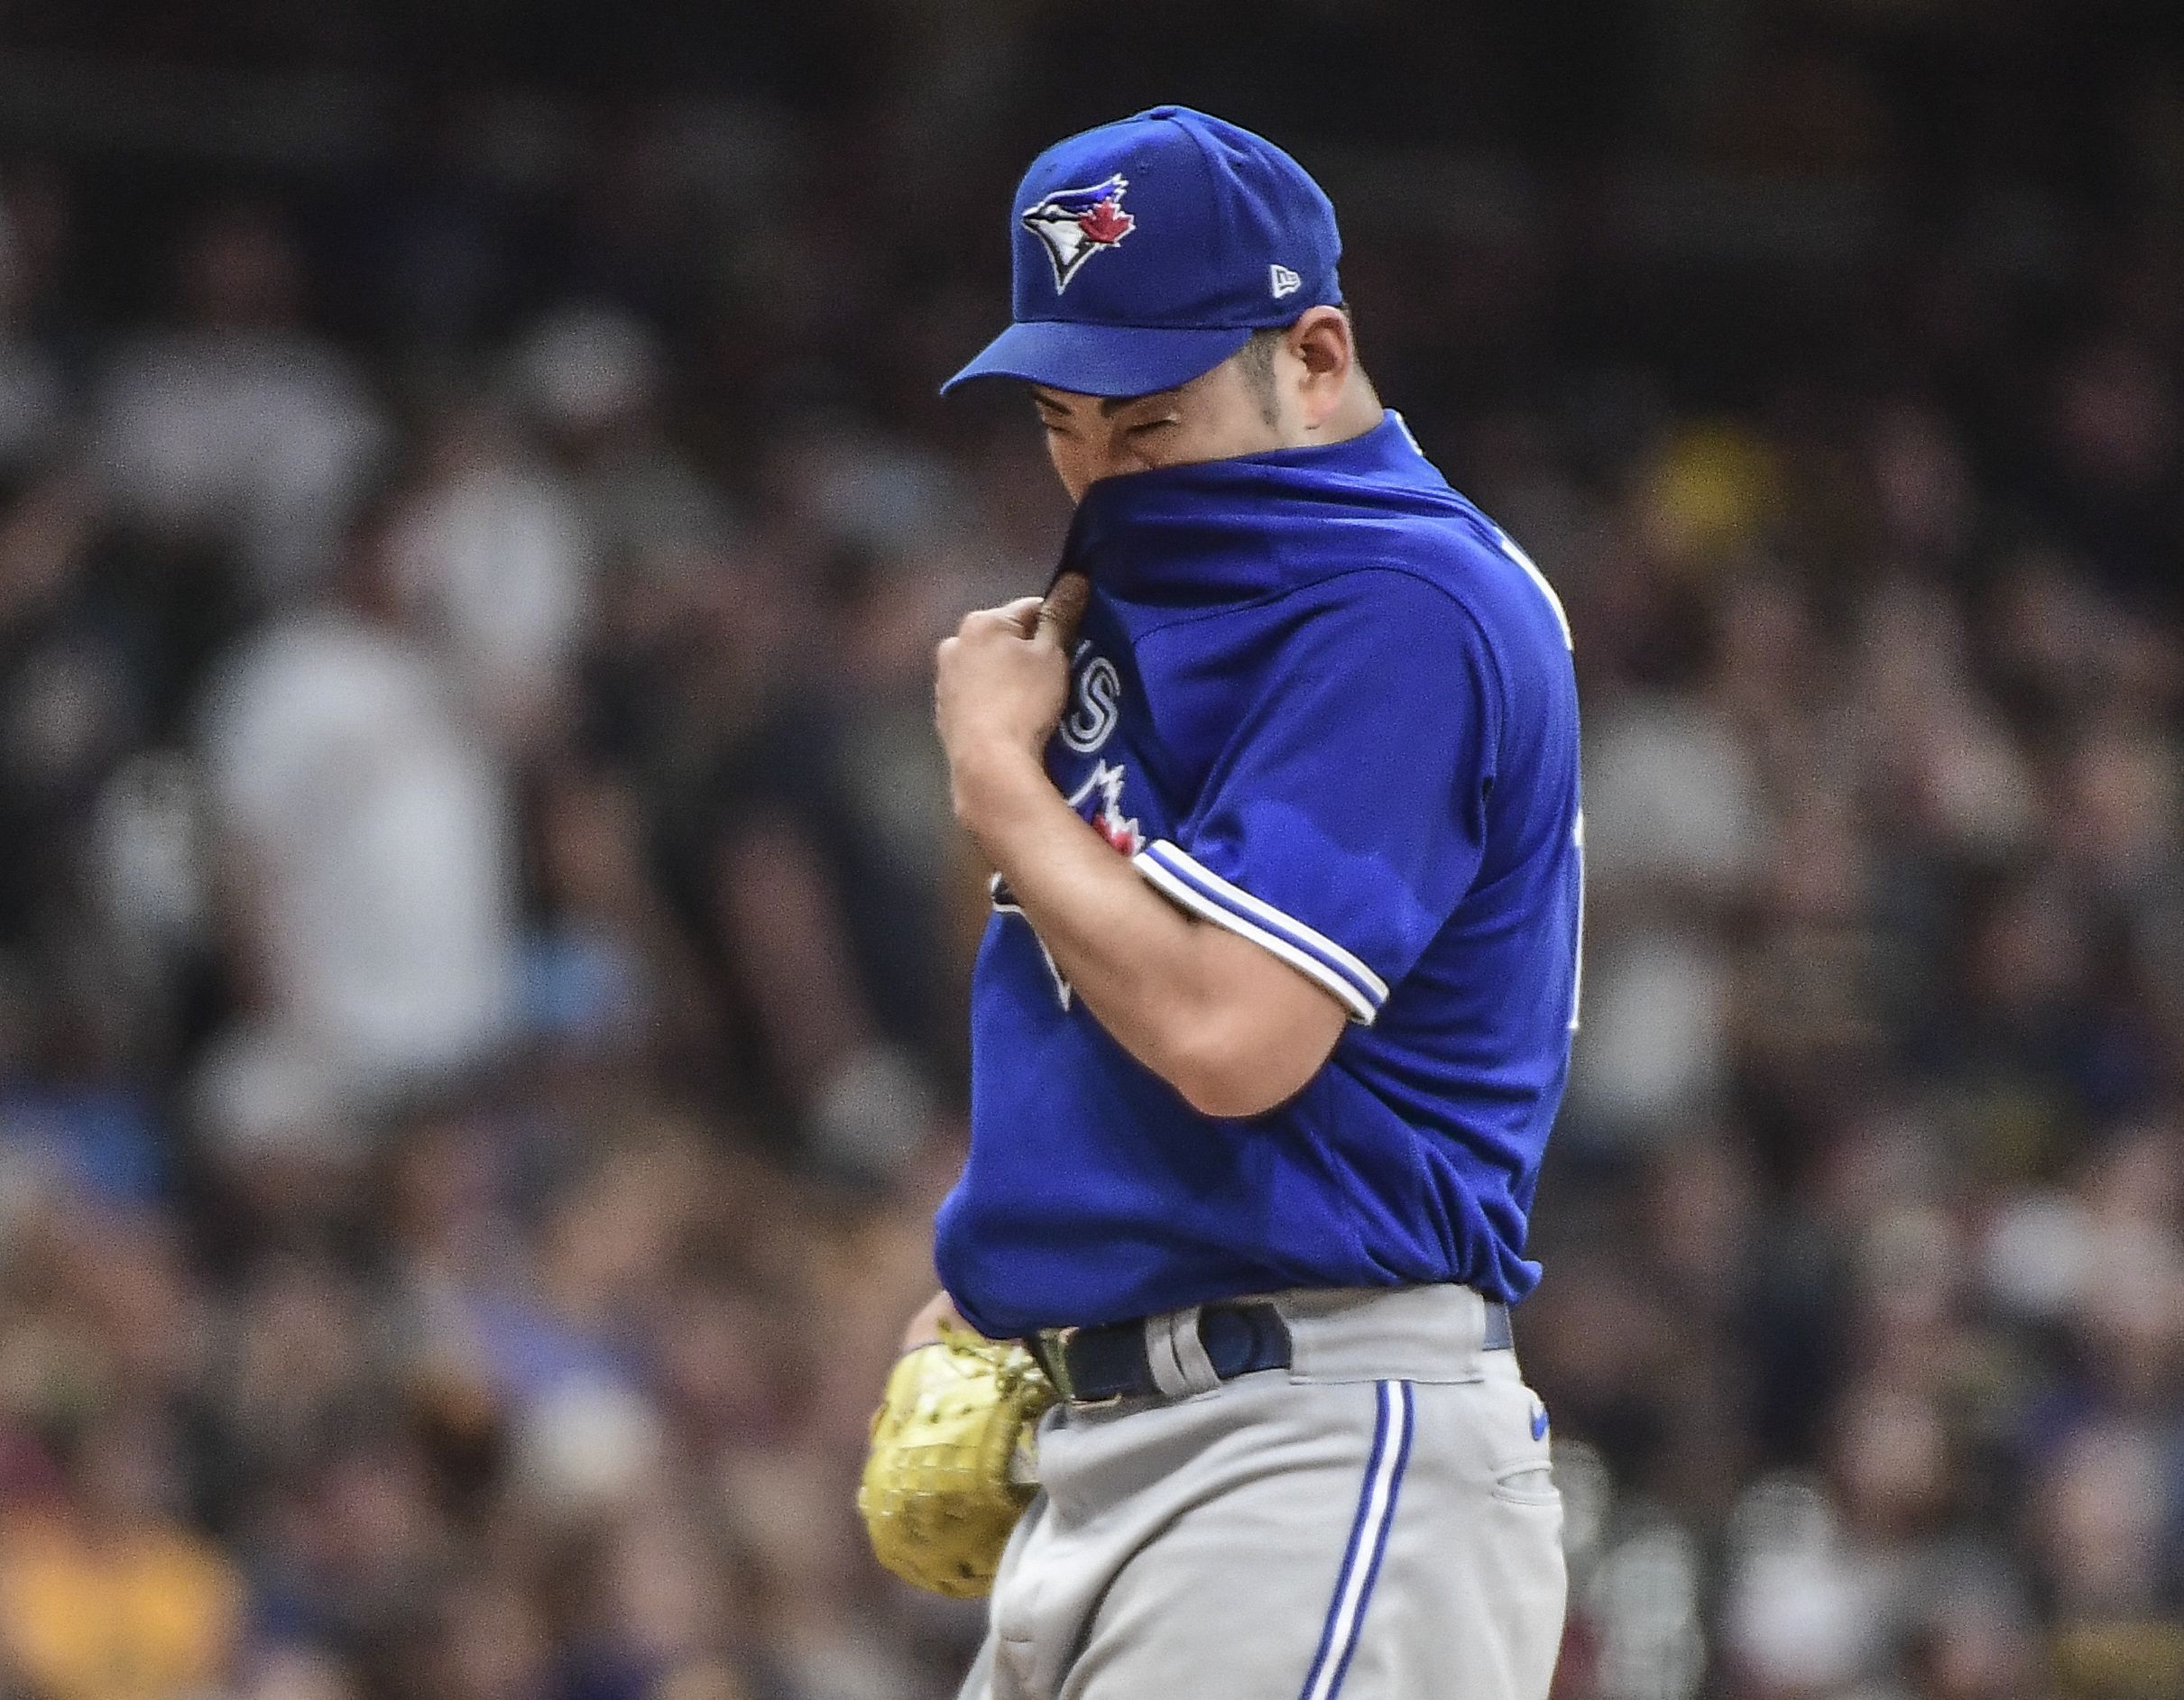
<point>1088,1365</point>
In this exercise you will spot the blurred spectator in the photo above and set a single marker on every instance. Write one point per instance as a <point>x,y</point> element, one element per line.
<point>367,851</point>
<point>238,424</point>
<point>493,563</point>
<point>103,1595</point>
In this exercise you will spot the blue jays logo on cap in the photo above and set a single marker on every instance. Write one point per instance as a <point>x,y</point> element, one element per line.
<point>1228,235</point>
<point>1075,224</point>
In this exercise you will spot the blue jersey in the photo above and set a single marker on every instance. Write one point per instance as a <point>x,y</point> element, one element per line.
<point>1321,701</point>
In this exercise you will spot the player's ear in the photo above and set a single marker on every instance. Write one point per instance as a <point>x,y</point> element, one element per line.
<point>1322,343</point>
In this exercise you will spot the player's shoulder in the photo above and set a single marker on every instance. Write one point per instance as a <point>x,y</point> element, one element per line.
<point>1497,581</point>
<point>1439,564</point>
<point>1435,532</point>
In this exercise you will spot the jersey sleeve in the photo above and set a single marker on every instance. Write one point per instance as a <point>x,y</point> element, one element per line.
<point>1344,818</point>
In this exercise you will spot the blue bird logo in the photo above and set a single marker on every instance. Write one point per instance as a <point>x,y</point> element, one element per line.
<point>1074,224</point>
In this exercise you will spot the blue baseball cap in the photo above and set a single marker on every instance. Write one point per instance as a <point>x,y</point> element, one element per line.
<point>1148,251</point>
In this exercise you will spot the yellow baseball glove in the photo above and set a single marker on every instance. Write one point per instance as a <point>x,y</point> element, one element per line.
<point>948,1476</point>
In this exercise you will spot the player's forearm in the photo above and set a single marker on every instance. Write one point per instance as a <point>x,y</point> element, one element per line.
<point>1123,947</point>
<point>1161,982</point>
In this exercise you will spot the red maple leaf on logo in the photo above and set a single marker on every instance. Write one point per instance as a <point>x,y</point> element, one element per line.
<point>1122,834</point>
<point>1106,222</point>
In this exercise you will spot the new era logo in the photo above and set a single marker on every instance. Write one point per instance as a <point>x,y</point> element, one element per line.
<point>1284,280</point>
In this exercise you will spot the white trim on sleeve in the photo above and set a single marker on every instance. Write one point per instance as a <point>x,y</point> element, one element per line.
<point>1187,881</point>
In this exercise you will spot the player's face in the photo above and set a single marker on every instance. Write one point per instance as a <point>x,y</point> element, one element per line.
<point>1313,393</point>
<point>1216,415</point>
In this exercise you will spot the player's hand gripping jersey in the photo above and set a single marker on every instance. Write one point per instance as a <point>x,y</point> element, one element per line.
<point>1319,699</point>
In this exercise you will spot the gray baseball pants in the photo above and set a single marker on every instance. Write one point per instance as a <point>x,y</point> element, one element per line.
<point>1376,1522</point>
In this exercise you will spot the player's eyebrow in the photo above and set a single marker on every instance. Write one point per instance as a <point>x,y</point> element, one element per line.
<point>1109,405</point>
<point>1112,405</point>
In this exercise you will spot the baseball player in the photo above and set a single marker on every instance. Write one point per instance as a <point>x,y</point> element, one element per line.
<point>1274,1013</point>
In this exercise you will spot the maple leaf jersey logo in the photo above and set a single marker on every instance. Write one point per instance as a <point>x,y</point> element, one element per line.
<point>1105,785</point>
<point>1102,789</point>
<point>1074,224</point>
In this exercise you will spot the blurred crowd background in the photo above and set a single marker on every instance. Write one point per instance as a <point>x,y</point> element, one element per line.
<point>483,946</point>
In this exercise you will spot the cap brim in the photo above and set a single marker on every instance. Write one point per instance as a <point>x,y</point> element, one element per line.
<point>1101,360</point>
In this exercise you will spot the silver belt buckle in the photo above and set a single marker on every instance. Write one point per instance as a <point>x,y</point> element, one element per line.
<point>1053,1358</point>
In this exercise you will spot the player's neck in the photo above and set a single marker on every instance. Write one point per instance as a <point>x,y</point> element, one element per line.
<point>1357,412</point>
